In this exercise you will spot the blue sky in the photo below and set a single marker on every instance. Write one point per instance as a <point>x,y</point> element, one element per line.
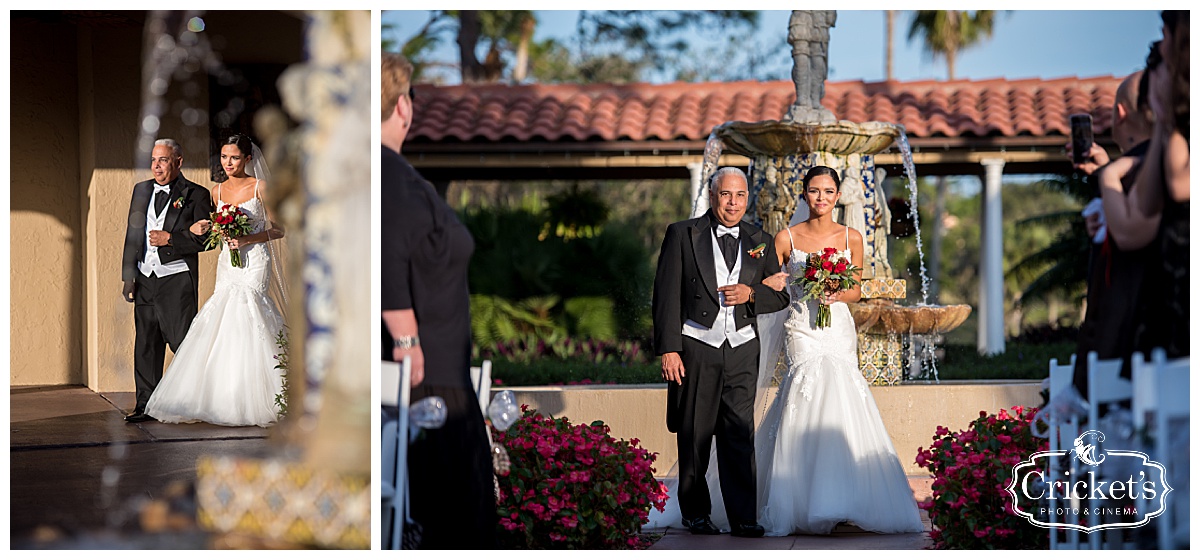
<point>1026,44</point>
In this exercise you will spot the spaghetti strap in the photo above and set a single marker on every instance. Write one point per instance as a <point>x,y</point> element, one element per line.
<point>847,238</point>
<point>255,187</point>
<point>791,240</point>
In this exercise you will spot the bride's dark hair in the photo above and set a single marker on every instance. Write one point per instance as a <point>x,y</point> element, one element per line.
<point>820,170</point>
<point>242,142</point>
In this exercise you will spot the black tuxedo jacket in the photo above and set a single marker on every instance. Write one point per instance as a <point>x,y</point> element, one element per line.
<point>188,204</point>
<point>685,283</point>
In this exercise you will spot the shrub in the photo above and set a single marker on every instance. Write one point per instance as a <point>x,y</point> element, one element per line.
<point>527,349</point>
<point>970,508</point>
<point>574,486</point>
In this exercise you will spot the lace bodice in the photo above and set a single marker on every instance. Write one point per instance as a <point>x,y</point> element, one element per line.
<point>253,209</point>
<point>255,256</point>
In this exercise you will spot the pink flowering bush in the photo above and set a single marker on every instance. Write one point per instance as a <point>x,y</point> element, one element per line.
<point>970,508</point>
<point>574,486</point>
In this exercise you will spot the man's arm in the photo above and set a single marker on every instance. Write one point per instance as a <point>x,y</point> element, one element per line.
<point>668,284</point>
<point>766,299</point>
<point>183,240</point>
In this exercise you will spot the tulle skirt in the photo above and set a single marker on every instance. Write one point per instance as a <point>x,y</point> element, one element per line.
<point>224,372</point>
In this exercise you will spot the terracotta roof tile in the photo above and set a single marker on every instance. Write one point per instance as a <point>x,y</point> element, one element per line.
<point>689,111</point>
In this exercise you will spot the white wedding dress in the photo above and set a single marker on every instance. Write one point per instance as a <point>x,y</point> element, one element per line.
<point>821,450</point>
<point>824,456</point>
<point>224,372</point>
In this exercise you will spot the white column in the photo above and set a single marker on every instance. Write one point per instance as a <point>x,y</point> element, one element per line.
<point>991,285</point>
<point>699,192</point>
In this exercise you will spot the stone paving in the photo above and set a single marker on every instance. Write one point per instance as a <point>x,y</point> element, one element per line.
<point>79,473</point>
<point>844,537</point>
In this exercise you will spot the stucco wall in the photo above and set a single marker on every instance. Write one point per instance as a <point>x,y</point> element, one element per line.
<point>110,103</point>
<point>76,100</point>
<point>911,413</point>
<point>46,249</point>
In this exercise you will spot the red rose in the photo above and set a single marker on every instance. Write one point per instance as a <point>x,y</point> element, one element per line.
<point>810,273</point>
<point>840,267</point>
<point>827,266</point>
<point>829,251</point>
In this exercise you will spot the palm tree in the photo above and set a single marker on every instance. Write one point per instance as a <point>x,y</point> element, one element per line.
<point>890,33</point>
<point>944,33</point>
<point>1059,270</point>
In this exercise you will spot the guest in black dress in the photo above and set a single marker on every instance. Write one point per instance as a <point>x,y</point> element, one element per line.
<point>1156,213</point>
<point>426,314</point>
<point>1114,274</point>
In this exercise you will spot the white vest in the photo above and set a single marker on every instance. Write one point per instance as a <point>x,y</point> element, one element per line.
<point>151,263</point>
<point>725,326</point>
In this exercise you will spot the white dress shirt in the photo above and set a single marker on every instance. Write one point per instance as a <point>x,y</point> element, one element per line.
<point>151,263</point>
<point>725,326</point>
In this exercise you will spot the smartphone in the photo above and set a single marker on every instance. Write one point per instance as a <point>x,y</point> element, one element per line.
<point>1081,136</point>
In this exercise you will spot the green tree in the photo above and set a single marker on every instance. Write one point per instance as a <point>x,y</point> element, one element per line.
<point>613,46</point>
<point>553,62</point>
<point>1026,231</point>
<point>944,33</point>
<point>1059,268</point>
<point>888,47</point>
<point>656,39</point>
<point>418,48</point>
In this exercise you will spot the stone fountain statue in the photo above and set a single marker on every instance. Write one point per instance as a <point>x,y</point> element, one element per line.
<point>808,33</point>
<point>810,135</point>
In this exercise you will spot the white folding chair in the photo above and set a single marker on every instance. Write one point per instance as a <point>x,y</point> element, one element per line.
<point>1145,402</point>
<point>481,381</point>
<point>395,379</point>
<point>1145,390</point>
<point>1105,386</point>
<point>1061,377</point>
<point>1174,390</point>
<point>387,476</point>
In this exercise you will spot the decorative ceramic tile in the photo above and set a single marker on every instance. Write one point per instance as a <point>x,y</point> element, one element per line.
<point>880,358</point>
<point>892,288</point>
<point>284,500</point>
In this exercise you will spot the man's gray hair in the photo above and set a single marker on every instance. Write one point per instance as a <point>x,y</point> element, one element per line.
<point>175,147</point>
<point>716,178</point>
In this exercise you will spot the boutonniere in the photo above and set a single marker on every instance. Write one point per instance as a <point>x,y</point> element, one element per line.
<point>178,203</point>
<point>757,252</point>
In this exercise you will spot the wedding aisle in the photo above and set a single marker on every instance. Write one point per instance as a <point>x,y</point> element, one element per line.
<point>843,537</point>
<point>71,452</point>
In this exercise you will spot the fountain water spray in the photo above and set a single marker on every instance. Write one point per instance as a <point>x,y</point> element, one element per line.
<point>910,172</point>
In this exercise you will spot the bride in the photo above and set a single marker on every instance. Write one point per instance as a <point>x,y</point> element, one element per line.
<point>822,453</point>
<point>824,456</point>
<point>224,372</point>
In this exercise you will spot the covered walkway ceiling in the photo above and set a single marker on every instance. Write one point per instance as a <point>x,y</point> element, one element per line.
<point>643,131</point>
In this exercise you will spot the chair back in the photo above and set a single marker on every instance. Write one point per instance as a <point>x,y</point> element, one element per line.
<point>1145,389</point>
<point>1105,385</point>
<point>1173,392</point>
<point>481,382</point>
<point>394,388</point>
<point>1061,377</point>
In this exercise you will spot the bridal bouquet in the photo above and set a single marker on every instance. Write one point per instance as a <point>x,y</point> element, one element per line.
<point>826,274</point>
<point>228,222</point>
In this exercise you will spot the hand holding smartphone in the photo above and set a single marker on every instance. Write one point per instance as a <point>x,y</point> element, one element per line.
<point>1081,137</point>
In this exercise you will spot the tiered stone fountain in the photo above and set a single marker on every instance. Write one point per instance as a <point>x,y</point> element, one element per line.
<point>810,135</point>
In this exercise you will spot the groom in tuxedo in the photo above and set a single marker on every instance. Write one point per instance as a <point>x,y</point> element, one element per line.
<point>708,291</point>
<point>159,265</point>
